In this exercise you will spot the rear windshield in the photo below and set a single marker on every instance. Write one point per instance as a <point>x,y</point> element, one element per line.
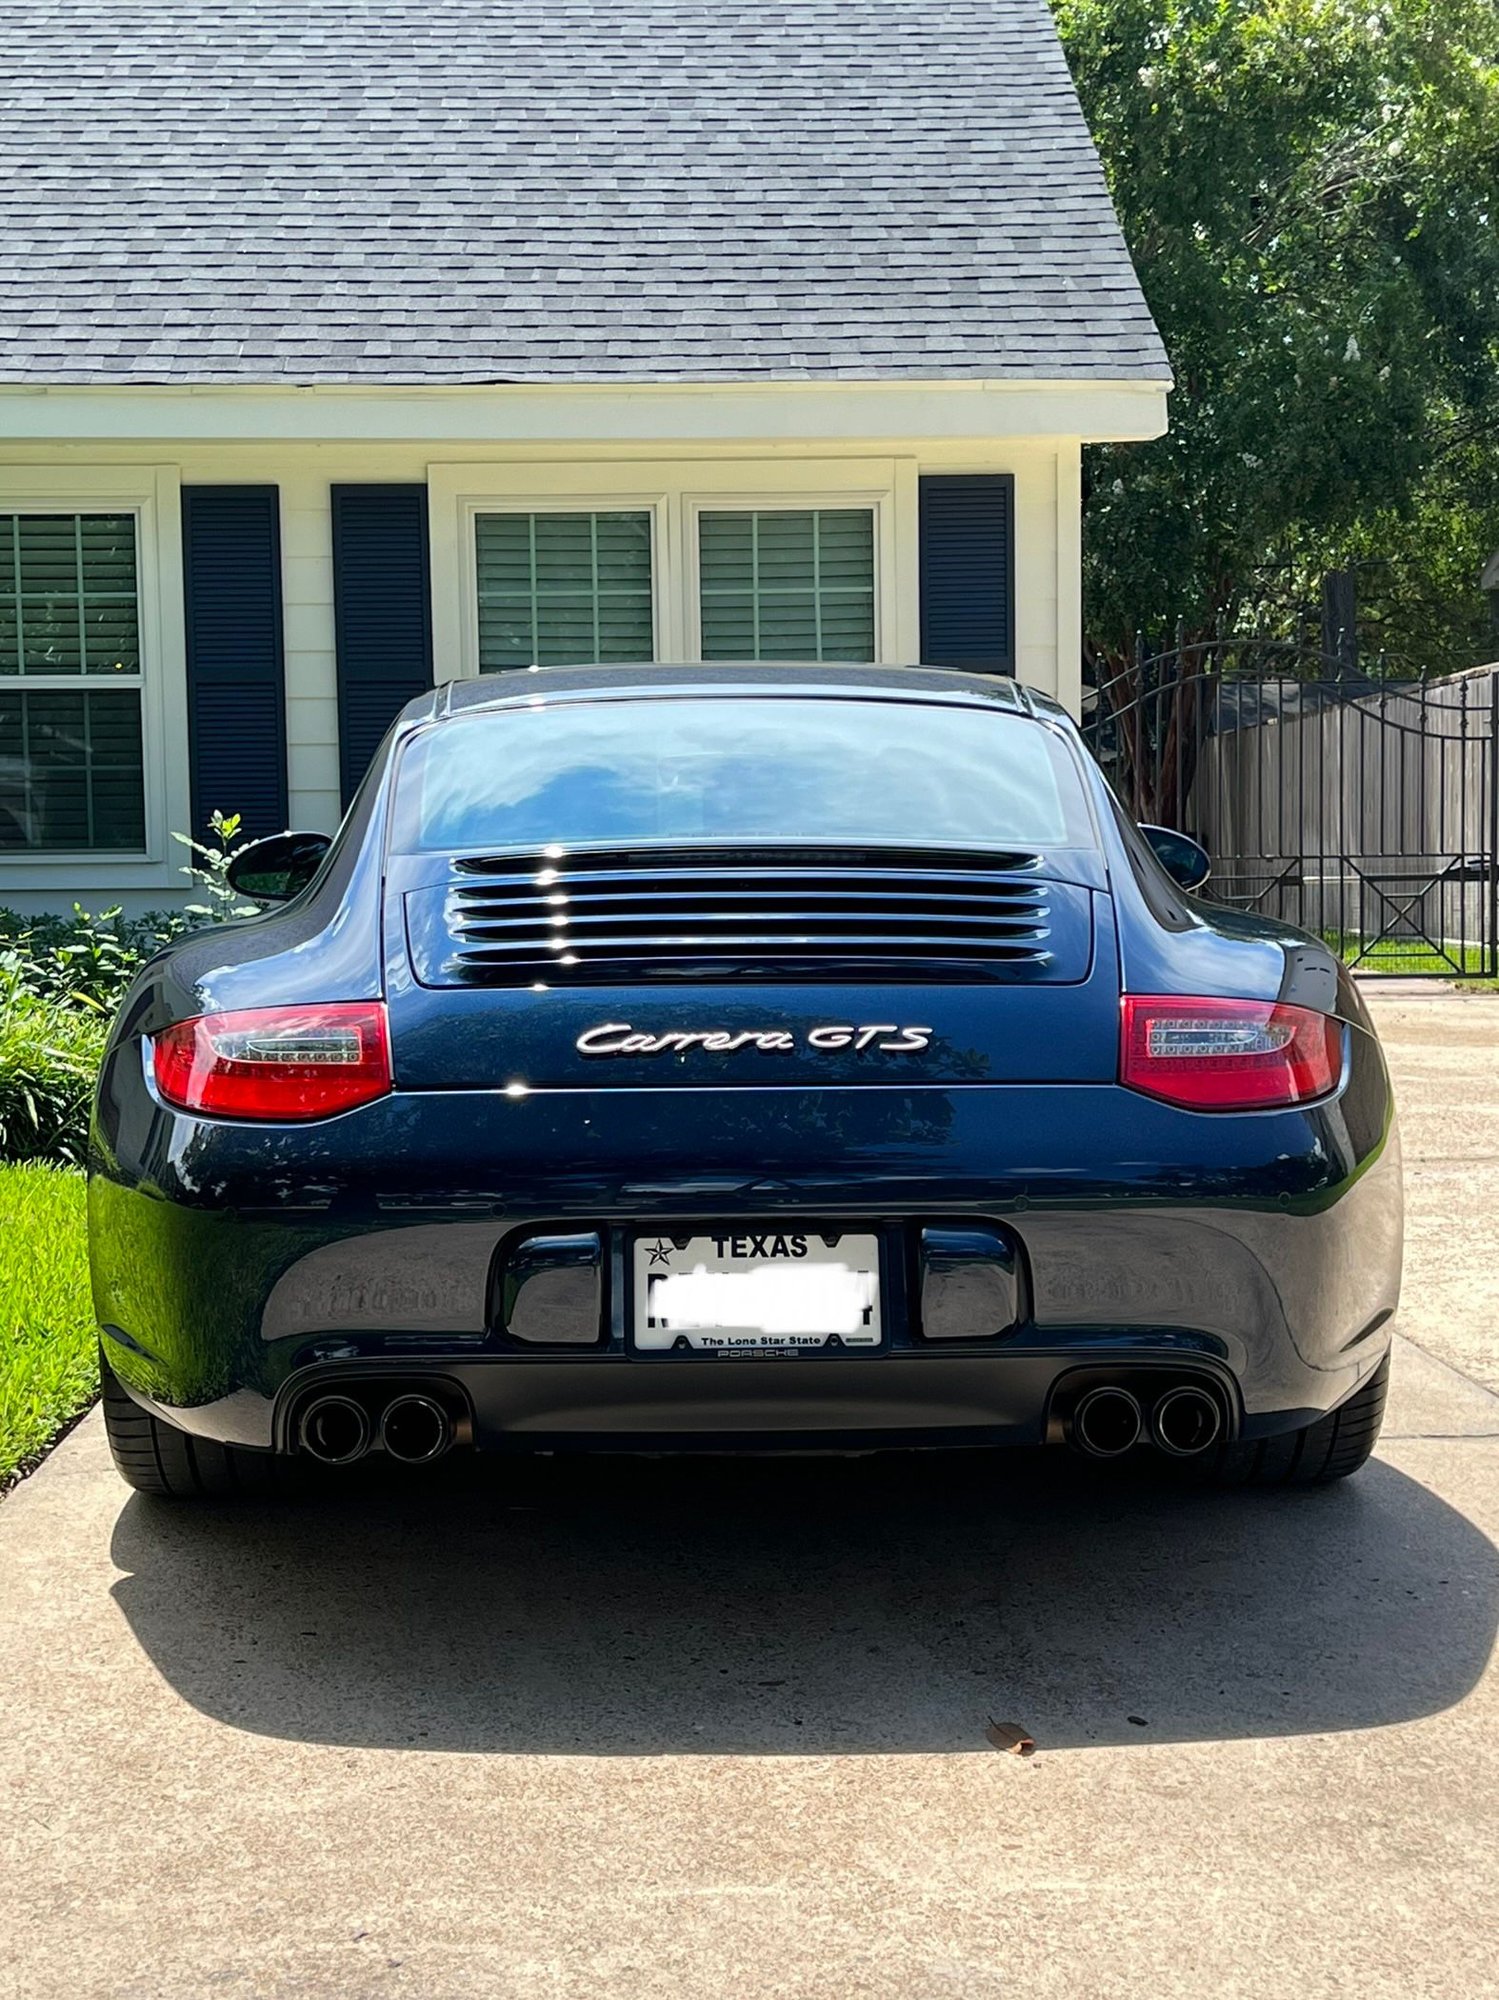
<point>731,768</point>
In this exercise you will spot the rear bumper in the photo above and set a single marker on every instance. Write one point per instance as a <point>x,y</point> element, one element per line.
<point>236,1267</point>
<point>1019,1398</point>
<point>1014,1398</point>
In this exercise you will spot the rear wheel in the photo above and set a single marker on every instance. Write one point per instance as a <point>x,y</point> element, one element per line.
<point>1329,1449</point>
<point>154,1457</point>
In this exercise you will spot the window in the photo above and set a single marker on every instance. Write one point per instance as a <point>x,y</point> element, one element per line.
<point>775,558</point>
<point>787,584</point>
<point>563,589</point>
<point>71,774</point>
<point>686,769</point>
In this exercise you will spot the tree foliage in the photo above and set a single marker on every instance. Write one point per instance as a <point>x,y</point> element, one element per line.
<point>1310,189</point>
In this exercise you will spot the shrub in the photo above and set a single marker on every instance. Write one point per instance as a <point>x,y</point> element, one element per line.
<point>49,1057</point>
<point>61,979</point>
<point>92,958</point>
<point>88,958</point>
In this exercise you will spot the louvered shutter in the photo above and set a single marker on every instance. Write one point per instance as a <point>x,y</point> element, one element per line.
<point>967,571</point>
<point>382,610</point>
<point>236,677</point>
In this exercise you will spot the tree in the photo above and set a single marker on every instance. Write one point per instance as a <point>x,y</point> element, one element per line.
<point>1310,190</point>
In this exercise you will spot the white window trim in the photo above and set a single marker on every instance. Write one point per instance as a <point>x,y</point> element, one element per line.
<point>675,491</point>
<point>151,493</point>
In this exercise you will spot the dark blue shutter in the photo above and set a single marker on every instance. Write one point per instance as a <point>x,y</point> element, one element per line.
<point>382,610</point>
<point>967,571</point>
<point>236,676</point>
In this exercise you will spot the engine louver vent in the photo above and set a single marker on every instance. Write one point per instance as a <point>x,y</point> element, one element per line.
<point>771,914</point>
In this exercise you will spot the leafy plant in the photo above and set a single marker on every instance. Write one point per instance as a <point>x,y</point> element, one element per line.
<point>49,1057</point>
<point>61,978</point>
<point>211,870</point>
<point>90,958</point>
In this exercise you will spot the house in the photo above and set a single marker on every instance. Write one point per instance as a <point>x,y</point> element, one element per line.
<point>350,345</point>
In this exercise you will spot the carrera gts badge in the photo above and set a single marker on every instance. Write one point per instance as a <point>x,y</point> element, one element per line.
<point>618,1038</point>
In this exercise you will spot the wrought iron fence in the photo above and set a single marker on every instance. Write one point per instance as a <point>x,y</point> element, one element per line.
<point>1361,808</point>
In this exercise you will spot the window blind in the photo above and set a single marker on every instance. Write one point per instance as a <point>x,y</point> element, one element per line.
<point>71,764</point>
<point>787,584</point>
<point>563,589</point>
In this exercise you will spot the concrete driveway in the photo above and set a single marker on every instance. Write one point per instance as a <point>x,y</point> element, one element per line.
<point>686,1730</point>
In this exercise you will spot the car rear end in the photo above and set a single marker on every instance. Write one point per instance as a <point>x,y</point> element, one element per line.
<point>752,1066</point>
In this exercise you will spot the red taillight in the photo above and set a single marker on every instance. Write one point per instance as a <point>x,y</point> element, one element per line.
<point>280,1063</point>
<point>1228,1055</point>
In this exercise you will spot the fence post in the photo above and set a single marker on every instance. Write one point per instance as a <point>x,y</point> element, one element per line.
<point>1340,619</point>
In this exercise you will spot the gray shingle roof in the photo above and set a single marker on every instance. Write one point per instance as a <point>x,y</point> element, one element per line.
<point>449,191</point>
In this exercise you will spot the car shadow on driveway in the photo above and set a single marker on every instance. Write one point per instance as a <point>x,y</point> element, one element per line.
<point>628,1607</point>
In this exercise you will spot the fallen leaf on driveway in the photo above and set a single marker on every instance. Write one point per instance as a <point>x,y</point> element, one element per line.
<point>1010,1736</point>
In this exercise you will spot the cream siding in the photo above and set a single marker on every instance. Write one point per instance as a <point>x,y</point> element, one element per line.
<point>676,475</point>
<point>311,683</point>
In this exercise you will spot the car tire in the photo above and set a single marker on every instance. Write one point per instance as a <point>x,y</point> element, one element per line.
<point>1331,1448</point>
<point>155,1457</point>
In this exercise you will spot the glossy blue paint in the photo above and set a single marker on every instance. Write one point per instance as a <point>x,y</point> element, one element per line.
<point>235,1264</point>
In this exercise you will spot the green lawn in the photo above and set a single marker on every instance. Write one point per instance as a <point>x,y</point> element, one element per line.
<point>48,1370</point>
<point>1408,956</point>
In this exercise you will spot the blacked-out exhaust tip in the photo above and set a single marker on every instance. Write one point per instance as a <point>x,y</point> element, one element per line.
<point>1185,1421</point>
<point>415,1429</point>
<point>1107,1422</point>
<point>335,1430</point>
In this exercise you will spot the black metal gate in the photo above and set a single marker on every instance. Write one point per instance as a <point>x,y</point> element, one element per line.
<point>1363,809</point>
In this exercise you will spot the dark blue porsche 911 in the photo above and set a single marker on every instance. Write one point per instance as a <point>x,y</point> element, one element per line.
<point>785,1057</point>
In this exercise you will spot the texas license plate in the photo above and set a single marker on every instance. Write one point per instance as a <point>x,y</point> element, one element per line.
<point>744,1291</point>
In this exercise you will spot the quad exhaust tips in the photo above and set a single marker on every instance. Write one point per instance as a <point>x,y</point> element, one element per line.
<point>413,1429</point>
<point>1109,1421</point>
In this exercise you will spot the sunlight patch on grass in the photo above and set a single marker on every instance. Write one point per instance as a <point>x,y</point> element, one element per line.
<point>48,1365</point>
<point>1408,957</point>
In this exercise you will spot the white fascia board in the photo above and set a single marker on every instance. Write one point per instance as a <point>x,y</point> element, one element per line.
<point>585,414</point>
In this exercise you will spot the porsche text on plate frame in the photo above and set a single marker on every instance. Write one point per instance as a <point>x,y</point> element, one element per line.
<point>848,992</point>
